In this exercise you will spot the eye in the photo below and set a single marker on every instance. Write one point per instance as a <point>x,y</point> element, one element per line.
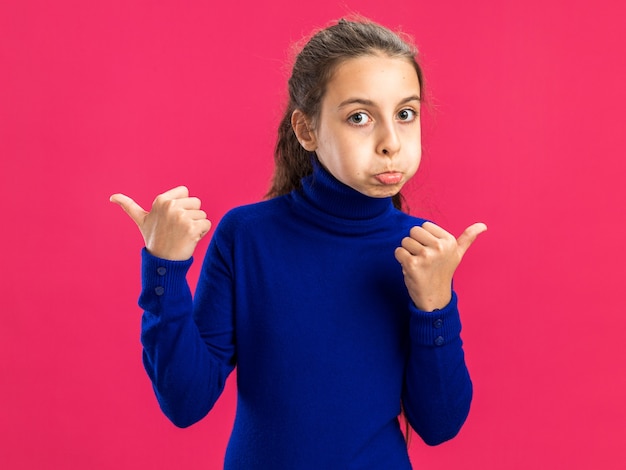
<point>407,115</point>
<point>359,119</point>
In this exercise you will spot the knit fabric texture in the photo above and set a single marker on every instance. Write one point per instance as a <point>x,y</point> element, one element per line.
<point>302,293</point>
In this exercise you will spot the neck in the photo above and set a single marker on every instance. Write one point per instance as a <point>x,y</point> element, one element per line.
<point>329,195</point>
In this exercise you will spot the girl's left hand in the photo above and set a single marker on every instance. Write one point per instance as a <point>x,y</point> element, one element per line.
<point>429,256</point>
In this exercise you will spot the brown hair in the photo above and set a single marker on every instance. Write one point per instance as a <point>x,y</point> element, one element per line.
<point>312,70</point>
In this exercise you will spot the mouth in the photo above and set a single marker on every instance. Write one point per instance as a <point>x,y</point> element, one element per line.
<point>389,177</point>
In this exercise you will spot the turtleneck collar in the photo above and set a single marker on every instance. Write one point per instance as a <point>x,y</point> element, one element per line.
<point>330,196</point>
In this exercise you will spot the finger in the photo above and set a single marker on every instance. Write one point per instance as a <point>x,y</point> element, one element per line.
<point>196,214</point>
<point>178,192</point>
<point>134,210</point>
<point>469,236</point>
<point>423,236</point>
<point>189,203</point>
<point>204,226</point>
<point>436,230</point>
<point>413,246</point>
<point>402,255</point>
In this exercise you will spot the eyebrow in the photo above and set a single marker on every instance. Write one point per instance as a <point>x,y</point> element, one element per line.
<point>366,102</point>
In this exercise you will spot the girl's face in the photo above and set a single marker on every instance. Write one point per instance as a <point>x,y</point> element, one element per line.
<point>368,134</point>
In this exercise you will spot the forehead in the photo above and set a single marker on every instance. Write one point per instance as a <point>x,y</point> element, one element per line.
<point>376,78</point>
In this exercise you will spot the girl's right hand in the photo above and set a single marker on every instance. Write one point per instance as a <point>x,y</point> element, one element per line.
<point>174,225</point>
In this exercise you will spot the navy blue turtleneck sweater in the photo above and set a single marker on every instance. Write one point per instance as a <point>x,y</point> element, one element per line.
<point>303,294</point>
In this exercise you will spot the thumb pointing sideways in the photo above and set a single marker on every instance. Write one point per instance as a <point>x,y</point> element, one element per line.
<point>469,236</point>
<point>134,210</point>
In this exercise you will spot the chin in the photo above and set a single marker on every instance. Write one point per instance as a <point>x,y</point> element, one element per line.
<point>383,192</point>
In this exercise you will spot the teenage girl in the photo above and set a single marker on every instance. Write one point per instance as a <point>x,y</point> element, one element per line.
<point>335,306</point>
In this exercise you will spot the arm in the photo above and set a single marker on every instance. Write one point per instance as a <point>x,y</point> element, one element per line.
<point>437,388</point>
<point>187,365</point>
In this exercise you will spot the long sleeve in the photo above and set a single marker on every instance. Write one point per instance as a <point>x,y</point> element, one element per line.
<point>302,292</point>
<point>437,388</point>
<point>188,345</point>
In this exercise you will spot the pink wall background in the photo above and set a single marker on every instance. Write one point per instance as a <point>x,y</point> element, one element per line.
<point>526,132</point>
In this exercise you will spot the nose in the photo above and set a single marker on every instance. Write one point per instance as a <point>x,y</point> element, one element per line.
<point>388,140</point>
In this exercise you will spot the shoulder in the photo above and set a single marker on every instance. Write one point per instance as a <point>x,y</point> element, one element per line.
<point>405,221</point>
<point>253,215</point>
<point>243,225</point>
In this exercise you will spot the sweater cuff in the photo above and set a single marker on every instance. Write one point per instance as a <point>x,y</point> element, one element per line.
<point>161,276</point>
<point>436,328</point>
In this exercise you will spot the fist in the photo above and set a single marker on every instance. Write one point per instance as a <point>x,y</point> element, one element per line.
<point>429,256</point>
<point>174,225</point>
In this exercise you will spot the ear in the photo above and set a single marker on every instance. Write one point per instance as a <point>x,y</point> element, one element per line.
<point>302,128</point>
